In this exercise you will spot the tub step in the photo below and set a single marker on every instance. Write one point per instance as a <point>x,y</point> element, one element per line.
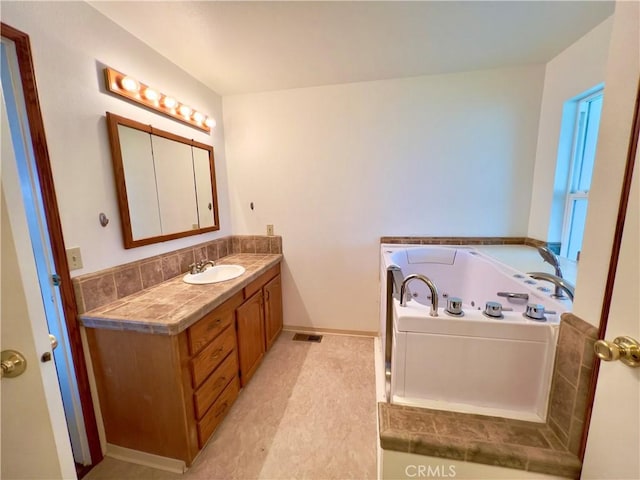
<point>305,337</point>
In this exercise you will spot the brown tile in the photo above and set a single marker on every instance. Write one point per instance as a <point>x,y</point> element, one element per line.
<point>151,273</point>
<point>575,436</point>
<point>224,247</point>
<point>200,253</point>
<point>262,245</point>
<point>525,436</point>
<point>77,290</point>
<point>569,353</point>
<point>588,355</point>
<point>436,446</point>
<point>394,440</point>
<point>580,325</point>
<point>128,280</point>
<point>185,258</point>
<point>170,266</point>
<point>383,416</point>
<point>466,428</point>
<point>247,245</point>
<point>235,245</point>
<point>410,422</point>
<point>212,251</point>
<point>582,394</point>
<point>509,456</point>
<point>98,291</point>
<point>552,439</point>
<point>560,434</point>
<point>562,401</point>
<point>275,245</point>
<point>553,463</point>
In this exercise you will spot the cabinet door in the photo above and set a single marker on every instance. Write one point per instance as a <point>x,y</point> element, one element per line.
<point>251,349</point>
<point>273,310</point>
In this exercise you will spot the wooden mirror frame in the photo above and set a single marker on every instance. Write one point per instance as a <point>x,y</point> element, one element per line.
<point>113,121</point>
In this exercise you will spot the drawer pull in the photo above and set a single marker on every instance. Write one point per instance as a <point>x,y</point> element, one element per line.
<point>215,324</point>
<point>217,353</point>
<point>220,381</point>
<point>223,407</point>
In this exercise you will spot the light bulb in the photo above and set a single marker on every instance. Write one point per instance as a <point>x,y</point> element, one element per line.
<point>198,117</point>
<point>169,102</point>
<point>185,110</point>
<point>151,94</point>
<point>210,122</point>
<point>130,84</point>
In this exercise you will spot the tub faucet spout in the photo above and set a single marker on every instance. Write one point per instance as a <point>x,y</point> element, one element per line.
<point>430,285</point>
<point>552,259</point>
<point>559,282</point>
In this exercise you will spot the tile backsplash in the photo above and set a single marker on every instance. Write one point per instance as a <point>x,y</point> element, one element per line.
<point>99,288</point>
<point>424,240</point>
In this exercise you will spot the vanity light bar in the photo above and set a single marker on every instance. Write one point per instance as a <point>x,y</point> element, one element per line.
<point>130,88</point>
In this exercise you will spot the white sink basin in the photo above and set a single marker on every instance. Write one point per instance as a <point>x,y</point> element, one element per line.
<point>218,273</point>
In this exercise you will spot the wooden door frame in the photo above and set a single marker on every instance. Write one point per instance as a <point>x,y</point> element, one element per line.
<point>52,215</point>
<point>613,263</point>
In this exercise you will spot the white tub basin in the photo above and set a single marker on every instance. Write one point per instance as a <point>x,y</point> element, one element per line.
<point>215,274</point>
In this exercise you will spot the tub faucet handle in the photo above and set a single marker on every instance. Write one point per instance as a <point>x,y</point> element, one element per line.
<point>493,309</point>
<point>454,306</point>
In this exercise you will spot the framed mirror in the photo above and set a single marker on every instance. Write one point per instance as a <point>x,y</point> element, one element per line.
<point>166,184</point>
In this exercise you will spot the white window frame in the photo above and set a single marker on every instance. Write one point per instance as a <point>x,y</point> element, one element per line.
<point>577,157</point>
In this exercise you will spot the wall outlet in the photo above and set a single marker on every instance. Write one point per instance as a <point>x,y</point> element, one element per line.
<point>74,258</point>
<point>270,230</point>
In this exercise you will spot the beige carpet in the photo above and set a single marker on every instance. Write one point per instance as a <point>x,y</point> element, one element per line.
<point>308,413</point>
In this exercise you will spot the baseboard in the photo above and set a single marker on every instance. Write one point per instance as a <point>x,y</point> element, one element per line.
<point>331,331</point>
<point>147,459</point>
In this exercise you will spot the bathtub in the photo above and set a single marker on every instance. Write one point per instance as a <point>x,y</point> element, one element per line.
<point>470,363</point>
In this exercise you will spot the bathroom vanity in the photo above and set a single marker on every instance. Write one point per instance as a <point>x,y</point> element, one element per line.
<point>170,361</point>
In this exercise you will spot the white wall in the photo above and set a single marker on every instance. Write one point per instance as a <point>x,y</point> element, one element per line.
<point>577,69</point>
<point>71,43</point>
<point>336,167</point>
<point>621,89</point>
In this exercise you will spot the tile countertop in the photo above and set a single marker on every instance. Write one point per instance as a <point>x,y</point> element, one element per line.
<point>173,306</point>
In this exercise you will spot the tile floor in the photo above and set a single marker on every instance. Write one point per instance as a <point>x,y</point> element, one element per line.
<point>309,412</point>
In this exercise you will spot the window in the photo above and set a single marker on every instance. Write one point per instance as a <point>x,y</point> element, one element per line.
<point>585,138</point>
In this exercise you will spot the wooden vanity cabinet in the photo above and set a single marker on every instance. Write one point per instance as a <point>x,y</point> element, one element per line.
<point>166,394</point>
<point>259,320</point>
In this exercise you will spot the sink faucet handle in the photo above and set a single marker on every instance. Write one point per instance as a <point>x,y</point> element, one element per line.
<point>193,268</point>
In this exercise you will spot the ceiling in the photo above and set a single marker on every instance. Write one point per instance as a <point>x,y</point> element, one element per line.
<point>241,47</point>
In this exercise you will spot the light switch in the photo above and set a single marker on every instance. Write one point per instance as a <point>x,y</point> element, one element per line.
<point>74,258</point>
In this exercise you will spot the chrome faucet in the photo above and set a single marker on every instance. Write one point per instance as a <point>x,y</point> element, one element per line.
<point>432,289</point>
<point>552,259</point>
<point>559,282</point>
<point>200,266</point>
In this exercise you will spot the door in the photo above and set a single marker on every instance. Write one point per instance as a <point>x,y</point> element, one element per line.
<point>35,440</point>
<point>250,318</point>
<point>273,310</point>
<point>614,435</point>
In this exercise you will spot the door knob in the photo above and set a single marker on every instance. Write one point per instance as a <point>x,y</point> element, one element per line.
<point>13,363</point>
<point>54,341</point>
<point>625,349</point>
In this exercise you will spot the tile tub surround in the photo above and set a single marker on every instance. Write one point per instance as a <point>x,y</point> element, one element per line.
<point>172,306</point>
<point>106,286</point>
<point>551,448</point>
<point>418,240</point>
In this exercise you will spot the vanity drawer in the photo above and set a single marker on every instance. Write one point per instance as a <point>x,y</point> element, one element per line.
<point>217,412</point>
<point>212,355</point>
<point>215,384</point>
<point>207,328</point>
